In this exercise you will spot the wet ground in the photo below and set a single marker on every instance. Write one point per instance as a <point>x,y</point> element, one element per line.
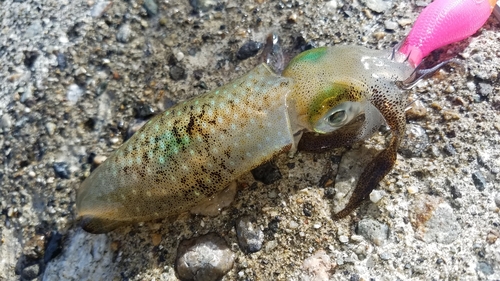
<point>77,76</point>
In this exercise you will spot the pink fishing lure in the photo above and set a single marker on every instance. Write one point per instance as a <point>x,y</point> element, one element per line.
<point>443,22</point>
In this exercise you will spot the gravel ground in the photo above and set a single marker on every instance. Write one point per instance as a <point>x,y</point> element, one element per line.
<point>77,76</point>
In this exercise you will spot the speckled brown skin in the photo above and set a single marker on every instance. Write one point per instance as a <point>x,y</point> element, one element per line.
<point>196,148</point>
<point>189,153</point>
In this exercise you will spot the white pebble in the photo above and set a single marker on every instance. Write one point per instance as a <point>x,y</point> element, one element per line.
<point>74,93</point>
<point>293,225</point>
<point>412,189</point>
<point>179,56</point>
<point>343,239</point>
<point>376,195</point>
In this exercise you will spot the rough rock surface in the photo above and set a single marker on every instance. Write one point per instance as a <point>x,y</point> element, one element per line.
<point>73,72</point>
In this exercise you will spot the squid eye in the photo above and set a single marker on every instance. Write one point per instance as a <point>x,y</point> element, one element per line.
<point>337,117</point>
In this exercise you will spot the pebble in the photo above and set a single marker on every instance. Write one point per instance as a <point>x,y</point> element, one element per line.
<point>267,173</point>
<point>5,122</point>
<point>378,6</point>
<point>177,73</point>
<point>98,8</point>
<point>294,224</point>
<point>497,200</point>
<point>179,56</point>
<point>74,93</point>
<point>434,220</point>
<point>414,142</point>
<point>385,256</point>
<point>250,237</point>
<point>205,258</point>
<point>449,150</point>
<point>143,111</point>
<point>202,5</point>
<point>156,239</point>
<point>485,89</point>
<point>61,169</point>
<point>390,25</point>
<point>485,268</point>
<point>31,272</point>
<point>373,230</point>
<point>271,245</point>
<point>124,34</point>
<point>98,160</point>
<point>479,180</point>
<point>343,239</point>
<point>376,195</point>
<point>317,267</point>
<point>151,7</point>
<point>50,127</point>
<point>249,49</point>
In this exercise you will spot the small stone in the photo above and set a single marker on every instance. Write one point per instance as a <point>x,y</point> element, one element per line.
<point>143,111</point>
<point>179,56</point>
<point>449,150</point>
<point>376,195</point>
<point>405,22</point>
<point>267,173</point>
<point>61,169</point>
<point>98,9</point>
<point>479,180</point>
<point>205,258</point>
<point>317,266</point>
<point>307,209</point>
<point>50,127</point>
<point>450,115</point>
<point>98,160</point>
<point>373,230</point>
<point>293,225</point>
<point>390,25</point>
<point>471,86</point>
<point>412,189</point>
<point>485,89</point>
<point>249,49</point>
<point>378,6</point>
<point>343,239</point>
<point>385,256</point>
<point>202,5</point>
<point>455,192</point>
<point>74,93</point>
<point>124,34</point>
<point>485,268</point>
<point>156,239</point>
<point>250,237</point>
<point>151,7</point>
<point>497,200</point>
<point>31,272</point>
<point>492,237</point>
<point>5,122</point>
<point>272,194</point>
<point>177,73</point>
<point>271,245</point>
<point>292,18</point>
<point>414,142</point>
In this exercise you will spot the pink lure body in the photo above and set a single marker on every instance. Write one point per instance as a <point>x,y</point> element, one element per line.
<point>443,22</point>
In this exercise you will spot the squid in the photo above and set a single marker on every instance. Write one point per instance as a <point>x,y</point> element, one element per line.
<point>325,97</point>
